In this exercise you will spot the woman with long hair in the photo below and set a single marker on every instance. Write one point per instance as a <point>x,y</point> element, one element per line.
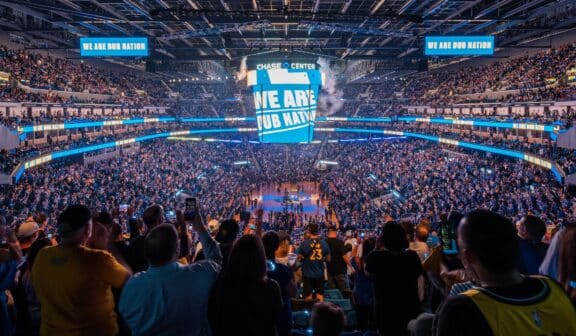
<point>363,294</point>
<point>394,271</point>
<point>244,301</point>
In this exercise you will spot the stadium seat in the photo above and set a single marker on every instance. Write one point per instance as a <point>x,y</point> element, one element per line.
<point>299,304</point>
<point>351,320</point>
<point>296,332</point>
<point>371,333</point>
<point>301,319</point>
<point>333,294</point>
<point>345,304</point>
<point>352,333</point>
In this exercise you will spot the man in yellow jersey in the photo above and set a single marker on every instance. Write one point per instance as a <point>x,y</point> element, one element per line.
<point>506,303</point>
<point>74,282</point>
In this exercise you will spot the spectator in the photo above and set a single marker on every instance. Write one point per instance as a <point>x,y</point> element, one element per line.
<point>327,319</point>
<point>419,244</point>
<point>313,252</point>
<point>283,251</point>
<point>506,303</point>
<point>284,276</point>
<point>549,266</point>
<point>337,265</point>
<point>32,312</point>
<point>395,272</point>
<point>27,235</point>
<point>177,296</point>
<point>10,255</point>
<point>352,242</point>
<point>363,293</point>
<point>74,283</point>
<point>531,230</point>
<point>226,236</point>
<point>567,261</point>
<point>448,233</point>
<point>152,217</point>
<point>245,301</point>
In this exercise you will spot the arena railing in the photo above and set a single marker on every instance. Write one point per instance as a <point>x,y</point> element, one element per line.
<point>77,110</point>
<point>498,109</point>
<point>439,120</point>
<point>118,122</point>
<point>528,157</point>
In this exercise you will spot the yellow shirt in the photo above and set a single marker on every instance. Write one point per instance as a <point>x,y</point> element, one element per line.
<point>74,288</point>
<point>549,314</point>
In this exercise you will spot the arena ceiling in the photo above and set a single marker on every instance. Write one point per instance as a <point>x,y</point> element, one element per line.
<point>192,30</point>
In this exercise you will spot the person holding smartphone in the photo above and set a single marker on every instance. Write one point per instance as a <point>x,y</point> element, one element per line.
<point>178,293</point>
<point>152,217</point>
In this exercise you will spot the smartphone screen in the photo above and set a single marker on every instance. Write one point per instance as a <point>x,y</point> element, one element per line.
<point>191,208</point>
<point>123,207</point>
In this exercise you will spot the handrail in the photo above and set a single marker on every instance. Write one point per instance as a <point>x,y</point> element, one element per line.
<point>449,121</point>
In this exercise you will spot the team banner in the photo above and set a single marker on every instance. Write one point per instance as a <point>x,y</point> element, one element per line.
<point>285,101</point>
<point>113,46</point>
<point>458,45</point>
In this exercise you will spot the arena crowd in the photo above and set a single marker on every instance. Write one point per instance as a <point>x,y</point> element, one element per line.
<point>119,224</point>
<point>416,238</point>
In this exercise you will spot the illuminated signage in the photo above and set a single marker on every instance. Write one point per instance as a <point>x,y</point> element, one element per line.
<point>113,46</point>
<point>458,45</point>
<point>285,101</point>
<point>285,65</point>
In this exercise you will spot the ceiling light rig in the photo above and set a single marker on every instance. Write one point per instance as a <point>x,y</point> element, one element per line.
<point>218,29</point>
<point>346,28</point>
<point>184,12</point>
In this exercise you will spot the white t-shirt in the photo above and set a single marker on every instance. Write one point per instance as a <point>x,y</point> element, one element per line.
<point>352,242</point>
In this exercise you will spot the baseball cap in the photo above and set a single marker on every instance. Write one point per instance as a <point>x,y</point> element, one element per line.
<point>27,229</point>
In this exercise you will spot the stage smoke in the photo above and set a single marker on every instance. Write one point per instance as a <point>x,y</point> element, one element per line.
<point>330,99</point>
<point>240,75</point>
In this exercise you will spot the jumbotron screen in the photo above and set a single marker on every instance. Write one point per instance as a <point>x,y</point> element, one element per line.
<point>285,100</point>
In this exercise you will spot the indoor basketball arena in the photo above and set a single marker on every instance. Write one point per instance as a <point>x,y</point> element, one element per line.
<point>287,167</point>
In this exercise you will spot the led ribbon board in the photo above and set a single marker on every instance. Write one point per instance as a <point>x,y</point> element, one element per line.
<point>113,46</point>
<point>285,101</point>
<point>458,45</point>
